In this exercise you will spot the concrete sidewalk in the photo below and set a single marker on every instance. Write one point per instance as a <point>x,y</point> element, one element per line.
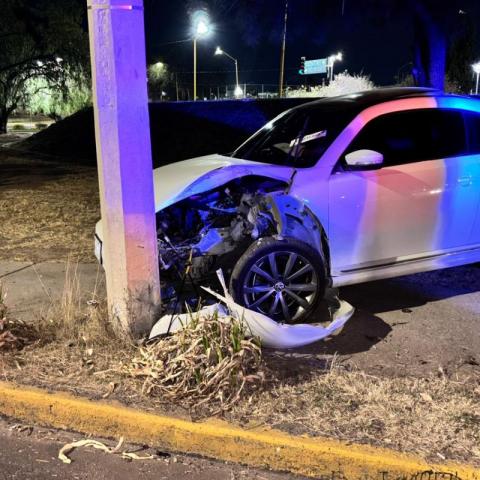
<point>30,287</point>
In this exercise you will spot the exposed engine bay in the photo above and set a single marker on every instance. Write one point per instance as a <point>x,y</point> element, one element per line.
<point>209,233</point>
<point>209,230</point>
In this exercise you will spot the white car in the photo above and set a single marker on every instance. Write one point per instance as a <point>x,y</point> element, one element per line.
<point>335,192</point>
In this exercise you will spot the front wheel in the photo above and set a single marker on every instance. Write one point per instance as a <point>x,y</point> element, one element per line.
<point>283,279</point>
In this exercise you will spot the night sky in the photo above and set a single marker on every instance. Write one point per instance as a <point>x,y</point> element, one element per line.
<point>375,37</point>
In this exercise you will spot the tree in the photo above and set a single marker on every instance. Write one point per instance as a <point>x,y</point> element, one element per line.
<point>159,77</point>
<point>41,39</point>
<point>343,84</point>
<point>41,97</point>
<point>461,55</point>
<point>434,25</point>
<point>430,21</point>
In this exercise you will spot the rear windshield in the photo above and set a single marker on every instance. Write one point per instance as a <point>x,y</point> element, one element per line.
<point>298,138</point>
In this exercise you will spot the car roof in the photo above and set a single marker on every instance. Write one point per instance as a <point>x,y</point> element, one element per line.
<point>356,102</point>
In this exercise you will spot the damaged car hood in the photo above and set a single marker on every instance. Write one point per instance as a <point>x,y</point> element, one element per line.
<point>178,181</point>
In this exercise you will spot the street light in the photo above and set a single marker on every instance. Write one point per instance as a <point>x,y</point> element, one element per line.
<point>238,91</point>
<point>476,69</point>
<point>331,62</point>
<point>200,28</point>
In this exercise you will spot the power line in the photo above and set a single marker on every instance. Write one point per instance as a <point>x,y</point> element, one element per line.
<point>233,71</point>
<point>175,42</point>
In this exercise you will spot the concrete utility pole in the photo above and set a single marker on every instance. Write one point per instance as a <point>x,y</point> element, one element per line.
<point>282,56</point>
<point>117,46</point>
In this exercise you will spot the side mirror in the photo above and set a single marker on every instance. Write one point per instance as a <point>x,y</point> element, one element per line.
<point>364,158</point>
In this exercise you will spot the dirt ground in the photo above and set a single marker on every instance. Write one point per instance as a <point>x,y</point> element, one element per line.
<point>406,369</point>
<point>47,211</point>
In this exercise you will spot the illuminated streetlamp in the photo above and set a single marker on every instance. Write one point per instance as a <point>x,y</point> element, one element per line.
<point>200,28</point>
<point>238,91</point>
<point>331,62</point>
<point>476,69</point>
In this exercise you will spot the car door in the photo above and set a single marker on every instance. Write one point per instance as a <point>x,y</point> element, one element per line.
<point>472,121</point>
<point>420,201</point>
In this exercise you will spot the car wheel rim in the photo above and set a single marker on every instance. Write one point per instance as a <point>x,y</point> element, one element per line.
<point>282,285</point>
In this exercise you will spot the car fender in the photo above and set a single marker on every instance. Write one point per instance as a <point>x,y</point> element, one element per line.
<point>294,219</point>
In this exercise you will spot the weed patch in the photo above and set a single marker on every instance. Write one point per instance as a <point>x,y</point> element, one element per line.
<point>208,364</point>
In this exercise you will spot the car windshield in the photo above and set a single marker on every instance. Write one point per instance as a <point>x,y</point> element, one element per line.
<point>298,138</point>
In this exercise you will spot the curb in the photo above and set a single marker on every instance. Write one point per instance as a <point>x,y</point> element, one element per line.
<point>328,459</point>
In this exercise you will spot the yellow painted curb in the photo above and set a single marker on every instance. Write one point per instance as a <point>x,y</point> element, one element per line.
<point>311,457</point>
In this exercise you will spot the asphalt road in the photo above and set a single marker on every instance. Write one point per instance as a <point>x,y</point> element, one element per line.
<point>31,453</point>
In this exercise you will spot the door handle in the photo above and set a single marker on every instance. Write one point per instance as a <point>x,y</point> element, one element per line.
<point>465,181</point>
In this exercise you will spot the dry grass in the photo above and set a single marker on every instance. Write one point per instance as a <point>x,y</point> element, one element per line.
<point>437,417</point>
<point>205,366</point>
<point>47,212</point>
<point>77,318</point>
<point>76,348</point>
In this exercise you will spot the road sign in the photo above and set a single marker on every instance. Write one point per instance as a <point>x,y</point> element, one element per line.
<point>314,67</point>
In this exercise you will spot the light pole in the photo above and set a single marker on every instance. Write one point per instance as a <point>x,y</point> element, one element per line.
<point>201,28</point>
<point>238,89</point>
<point>476,69</point>
<point>282,55</point>
<point>331,62</point>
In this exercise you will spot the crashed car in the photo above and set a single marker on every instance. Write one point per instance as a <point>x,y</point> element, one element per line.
<point>335,192</point>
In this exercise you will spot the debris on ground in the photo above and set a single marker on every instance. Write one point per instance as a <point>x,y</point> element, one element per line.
<point>208,362</point>
<point>14,334</point>
<point>111,388</point>
<point>69,447</point>
<point>271,333</point>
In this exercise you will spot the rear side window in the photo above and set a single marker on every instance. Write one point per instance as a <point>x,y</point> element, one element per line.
<point>472,121</point>
<point>414,136</point>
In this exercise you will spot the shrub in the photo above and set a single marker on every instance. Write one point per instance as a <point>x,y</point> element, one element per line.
<point>343,84</point>
<point>209,362</point>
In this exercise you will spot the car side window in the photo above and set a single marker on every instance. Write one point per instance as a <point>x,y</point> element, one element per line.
<point>298,139</point>
<point>318,133</point>
<point>413,136</point>
<point>472,121</point>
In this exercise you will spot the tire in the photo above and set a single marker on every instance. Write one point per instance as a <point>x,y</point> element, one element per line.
<point>262,279</point>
